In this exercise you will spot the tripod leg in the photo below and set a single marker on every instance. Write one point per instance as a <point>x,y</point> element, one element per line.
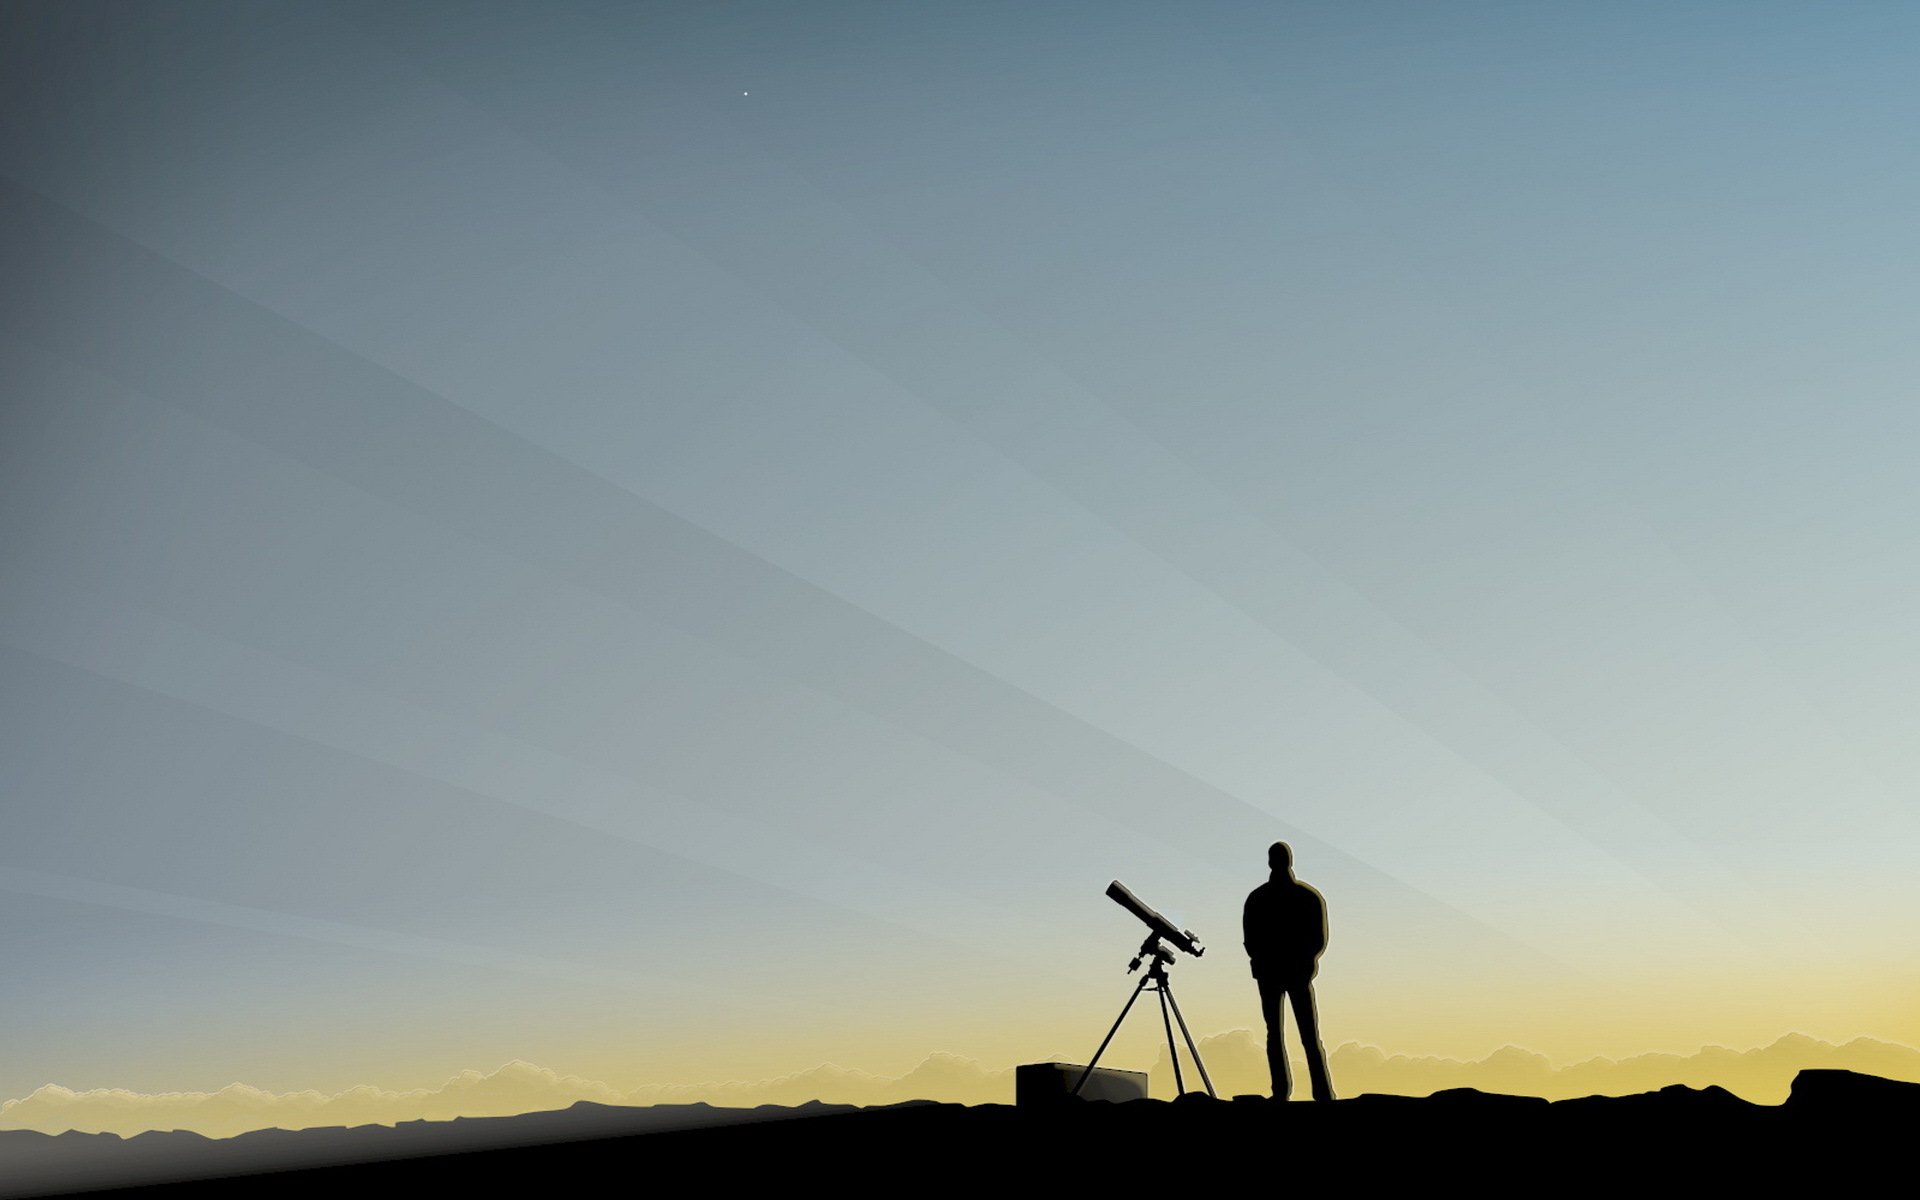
<point>1138,988</point>
<point>1191,1048</point>
<point>1173,1051</point>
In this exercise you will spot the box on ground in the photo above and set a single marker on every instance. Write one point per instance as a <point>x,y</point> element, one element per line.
<point>1051,1083</point>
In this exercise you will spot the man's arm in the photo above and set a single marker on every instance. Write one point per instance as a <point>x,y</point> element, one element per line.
<point>1320,911</point>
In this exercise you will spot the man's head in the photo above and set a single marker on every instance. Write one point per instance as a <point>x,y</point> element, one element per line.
<point>1280,857</point>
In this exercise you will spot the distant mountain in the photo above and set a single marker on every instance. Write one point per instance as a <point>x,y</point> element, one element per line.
<point>33,1163</point>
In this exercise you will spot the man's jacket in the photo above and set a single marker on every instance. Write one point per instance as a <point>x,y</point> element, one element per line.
<point>1285,923</point>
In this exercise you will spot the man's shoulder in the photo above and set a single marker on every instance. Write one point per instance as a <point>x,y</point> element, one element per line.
<point>1289,889</point>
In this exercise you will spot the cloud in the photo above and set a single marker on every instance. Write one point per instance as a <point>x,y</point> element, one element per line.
<point>1238,1063</point>
<point>517,1087</point>
<point>940,1077</point>
<point>1236,1060</point>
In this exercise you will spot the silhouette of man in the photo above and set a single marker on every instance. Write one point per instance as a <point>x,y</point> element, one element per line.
<point>1286,929</point>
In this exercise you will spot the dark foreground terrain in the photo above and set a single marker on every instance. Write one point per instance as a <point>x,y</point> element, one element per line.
<point>1838,1130</point>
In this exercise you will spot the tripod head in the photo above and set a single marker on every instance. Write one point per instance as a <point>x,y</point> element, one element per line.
<point>1151,949</point>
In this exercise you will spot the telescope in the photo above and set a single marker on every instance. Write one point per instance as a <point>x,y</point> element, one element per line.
<point>1155,980</point>
<point>1182,939</point>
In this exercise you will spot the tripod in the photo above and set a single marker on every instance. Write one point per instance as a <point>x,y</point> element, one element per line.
<point>1157,976</point>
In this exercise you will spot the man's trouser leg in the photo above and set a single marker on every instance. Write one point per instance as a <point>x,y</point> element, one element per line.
<point>1271,998</point>
<point>1309,1022</point>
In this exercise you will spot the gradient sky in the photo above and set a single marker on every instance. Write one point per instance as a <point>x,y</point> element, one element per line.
<point>685,541</point>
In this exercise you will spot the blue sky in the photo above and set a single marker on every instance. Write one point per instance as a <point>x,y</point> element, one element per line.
<point>685,541</point>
